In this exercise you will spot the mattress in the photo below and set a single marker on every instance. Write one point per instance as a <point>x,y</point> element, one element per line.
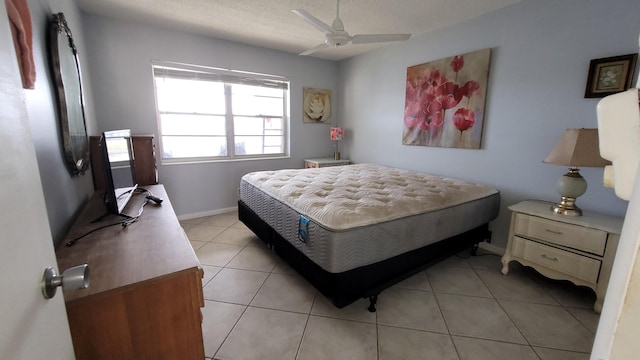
<point>345,217</point>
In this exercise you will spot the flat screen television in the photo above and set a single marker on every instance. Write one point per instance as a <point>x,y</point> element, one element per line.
<point>118,162</point>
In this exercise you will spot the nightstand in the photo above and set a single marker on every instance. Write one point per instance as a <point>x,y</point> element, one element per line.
<point>579,249</point>
<point>324,162</point>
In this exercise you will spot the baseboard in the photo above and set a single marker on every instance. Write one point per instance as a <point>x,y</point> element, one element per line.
<point>207,213</point>
<point>491,248</point>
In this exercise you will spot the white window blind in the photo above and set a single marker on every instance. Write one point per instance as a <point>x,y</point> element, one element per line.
<point>214,114</point>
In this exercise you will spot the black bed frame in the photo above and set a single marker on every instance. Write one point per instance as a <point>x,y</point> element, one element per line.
<point>366,281</point>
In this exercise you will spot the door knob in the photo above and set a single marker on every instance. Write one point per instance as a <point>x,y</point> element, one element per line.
<point>73,278</point>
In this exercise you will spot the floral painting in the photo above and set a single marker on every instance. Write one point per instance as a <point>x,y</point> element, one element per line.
<point>445,101</point>
<point>316,105</point>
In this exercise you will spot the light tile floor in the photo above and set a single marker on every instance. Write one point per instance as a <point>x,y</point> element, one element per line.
<point>256,307</point>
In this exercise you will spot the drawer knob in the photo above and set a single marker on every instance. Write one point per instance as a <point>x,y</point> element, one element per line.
<point>552,258</point>
<point>554,232</point>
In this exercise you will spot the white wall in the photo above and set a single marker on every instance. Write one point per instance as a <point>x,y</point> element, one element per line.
<point>120,55</point>
<point>540,58</point>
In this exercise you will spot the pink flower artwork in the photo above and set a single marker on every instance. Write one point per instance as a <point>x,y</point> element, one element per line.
<point>445,101</point>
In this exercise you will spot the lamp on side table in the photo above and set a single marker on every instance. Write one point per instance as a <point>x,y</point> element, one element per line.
<point>576,148</point>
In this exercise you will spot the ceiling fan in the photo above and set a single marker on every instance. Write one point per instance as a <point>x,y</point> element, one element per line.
<point>335,35</point>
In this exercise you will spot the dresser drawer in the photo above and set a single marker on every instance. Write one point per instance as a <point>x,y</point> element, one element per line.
<point>575,265</point>
<point>574,236</point>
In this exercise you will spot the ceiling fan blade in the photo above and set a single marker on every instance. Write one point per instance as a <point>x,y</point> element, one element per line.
<point>374,38</point>
<point>314,21</point>
<point>312,50</point>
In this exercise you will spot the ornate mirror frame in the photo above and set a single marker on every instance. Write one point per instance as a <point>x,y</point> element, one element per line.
<point>68,87</point>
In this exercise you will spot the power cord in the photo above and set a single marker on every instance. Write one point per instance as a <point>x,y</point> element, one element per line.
<point>128,219</point>
<point>75,240</point>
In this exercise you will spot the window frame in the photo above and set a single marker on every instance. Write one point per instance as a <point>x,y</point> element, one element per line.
<point>227,77</point>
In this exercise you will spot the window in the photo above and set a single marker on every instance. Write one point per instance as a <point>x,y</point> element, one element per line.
<point>213,114</point>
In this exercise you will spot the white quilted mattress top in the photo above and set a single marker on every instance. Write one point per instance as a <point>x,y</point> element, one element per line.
<point>344,197</point>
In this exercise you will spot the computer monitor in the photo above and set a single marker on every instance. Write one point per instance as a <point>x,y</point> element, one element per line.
<point>118,162</point>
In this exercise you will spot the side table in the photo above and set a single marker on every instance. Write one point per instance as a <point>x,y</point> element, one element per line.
<point>324,162</point>
<point>580,249</point>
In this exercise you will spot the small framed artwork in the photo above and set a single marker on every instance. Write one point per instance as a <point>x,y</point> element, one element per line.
<point>316,105</point>
<point>610,75</point>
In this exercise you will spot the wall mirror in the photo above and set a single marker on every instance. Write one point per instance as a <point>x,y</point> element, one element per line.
<point>68,87</point>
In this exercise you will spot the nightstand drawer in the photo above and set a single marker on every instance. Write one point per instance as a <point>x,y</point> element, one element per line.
<point>573,236</point>
<point>575,265</point>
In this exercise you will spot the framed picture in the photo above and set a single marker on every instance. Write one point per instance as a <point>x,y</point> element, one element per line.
<point>445,101</point>
<point>610,75</point>
<point>316,105</point>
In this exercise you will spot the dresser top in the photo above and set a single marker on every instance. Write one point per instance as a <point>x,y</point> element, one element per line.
<point>150,248</point>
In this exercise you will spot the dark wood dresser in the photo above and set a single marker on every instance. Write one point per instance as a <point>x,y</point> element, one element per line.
<point>144,160</point>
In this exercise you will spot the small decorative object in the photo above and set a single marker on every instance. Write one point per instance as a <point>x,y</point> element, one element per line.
<point>610,75</point>
<point>336,135</point>
<point>445,99</point>
<point>577,147</point>
<point>316,105</point>
<point>22,31</point>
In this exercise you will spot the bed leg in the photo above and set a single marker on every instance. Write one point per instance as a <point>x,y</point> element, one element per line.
<point>474,249</point>
<point>372,303</point>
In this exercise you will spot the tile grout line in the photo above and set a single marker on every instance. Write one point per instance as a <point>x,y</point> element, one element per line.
<point>444,319</point>
<point>256,294</point>
<point>246,307</point>
<point>493,297</point>
<point>546,289</point>
<point>377,336</point>
<point>243,312</point>
<point>378,345</point>
<point>304,331</point>
<point>504,311</point>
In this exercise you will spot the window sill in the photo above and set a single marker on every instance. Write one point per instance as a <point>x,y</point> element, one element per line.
<point>208,161</point>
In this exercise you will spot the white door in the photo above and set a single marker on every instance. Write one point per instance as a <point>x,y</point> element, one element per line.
<point>30,326</point>
<point>617,336</point>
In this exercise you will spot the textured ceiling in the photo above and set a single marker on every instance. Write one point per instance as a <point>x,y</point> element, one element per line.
<point>271,24</point>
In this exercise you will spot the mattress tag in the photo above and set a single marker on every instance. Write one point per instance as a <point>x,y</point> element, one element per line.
<point>303,229</point>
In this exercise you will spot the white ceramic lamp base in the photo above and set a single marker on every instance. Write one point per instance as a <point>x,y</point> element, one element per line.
<point>570,186</point>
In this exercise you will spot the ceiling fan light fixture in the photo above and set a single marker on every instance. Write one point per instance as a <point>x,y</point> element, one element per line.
<point>338,38</point>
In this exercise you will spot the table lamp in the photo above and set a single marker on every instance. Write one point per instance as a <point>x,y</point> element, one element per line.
<point>576,148</point>
<point>336,135</point>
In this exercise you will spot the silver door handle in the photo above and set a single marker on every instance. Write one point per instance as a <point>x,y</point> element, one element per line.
<point>73,278</point>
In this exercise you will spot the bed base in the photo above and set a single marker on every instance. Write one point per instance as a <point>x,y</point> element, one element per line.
<point>367,281</point>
